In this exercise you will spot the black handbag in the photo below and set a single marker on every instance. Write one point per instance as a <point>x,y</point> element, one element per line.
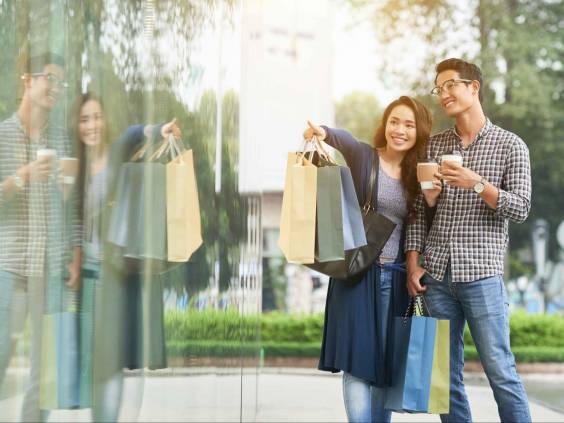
<point>378,229</point>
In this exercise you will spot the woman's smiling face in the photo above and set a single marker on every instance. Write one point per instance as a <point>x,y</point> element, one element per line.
<point>91,123</point>
<point>401,130</point>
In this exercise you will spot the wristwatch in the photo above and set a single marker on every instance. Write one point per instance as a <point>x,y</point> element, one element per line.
<point>480,186</point>
<point>18,181</point>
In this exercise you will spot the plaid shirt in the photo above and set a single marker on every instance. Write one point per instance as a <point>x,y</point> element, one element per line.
<point>37,227</point>
<point>465,229</point>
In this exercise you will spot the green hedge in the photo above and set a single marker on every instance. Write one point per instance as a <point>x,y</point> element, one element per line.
<point>534,338</point>
<point>311,349</point>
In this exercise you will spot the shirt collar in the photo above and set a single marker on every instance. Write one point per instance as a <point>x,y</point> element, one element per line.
<point>22,129</point>
<point>488,125</point>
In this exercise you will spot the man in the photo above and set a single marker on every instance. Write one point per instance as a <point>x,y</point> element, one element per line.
<point>463,252</point>
<point>34,218</point>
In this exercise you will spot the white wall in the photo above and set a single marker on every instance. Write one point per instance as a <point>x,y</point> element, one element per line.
<point>286,78</point>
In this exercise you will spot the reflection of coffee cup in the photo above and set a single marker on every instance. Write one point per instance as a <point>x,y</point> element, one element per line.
<point>426,173</point>
<point>69,169</point>
<point>453,158</point>
<point>47,152</point>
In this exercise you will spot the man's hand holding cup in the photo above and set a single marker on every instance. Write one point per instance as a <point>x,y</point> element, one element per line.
<point>456,175</point>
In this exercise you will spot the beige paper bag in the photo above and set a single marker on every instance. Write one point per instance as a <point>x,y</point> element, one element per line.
<point>184,231</point>
<point>297,221</point>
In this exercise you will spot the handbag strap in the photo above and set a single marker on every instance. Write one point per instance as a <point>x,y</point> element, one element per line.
<point>373,182</point>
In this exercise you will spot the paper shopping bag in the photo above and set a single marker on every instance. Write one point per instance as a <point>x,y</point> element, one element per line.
<point>354,235</point>
<point>412,363</point>
<point>297,225</point>
<point>59,380</point>
<point>155,212</point>
<point>183,208</point>
<point>119,224</point>
<point>329,227</point>
<point>440,378</point>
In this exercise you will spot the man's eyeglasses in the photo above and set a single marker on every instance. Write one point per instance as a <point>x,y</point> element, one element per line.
<point>52,79</point>
<point>448,85</point>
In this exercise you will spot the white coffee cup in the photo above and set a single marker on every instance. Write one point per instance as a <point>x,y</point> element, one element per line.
<point>47,152</point>
<point>455,158</point>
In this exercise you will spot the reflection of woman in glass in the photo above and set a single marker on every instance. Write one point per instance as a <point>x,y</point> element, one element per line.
<point>91,132</point>
<point>98,161</point>
<point>358,315</point>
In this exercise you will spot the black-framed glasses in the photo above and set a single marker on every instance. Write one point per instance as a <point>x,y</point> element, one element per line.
<point>53,80</point>
<point>448,85</point>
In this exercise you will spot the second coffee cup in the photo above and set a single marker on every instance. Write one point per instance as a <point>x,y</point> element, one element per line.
<point>426,170</point>
<point>69,169</point>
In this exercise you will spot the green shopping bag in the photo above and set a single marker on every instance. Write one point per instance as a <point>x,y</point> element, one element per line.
<point>329,225</point>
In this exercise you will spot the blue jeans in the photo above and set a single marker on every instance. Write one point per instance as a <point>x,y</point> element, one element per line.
<point>363,401</point>
<point>483,303</point>
<point>21,297</point>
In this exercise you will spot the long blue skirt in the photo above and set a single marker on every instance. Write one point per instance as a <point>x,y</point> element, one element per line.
<point>355,325</point>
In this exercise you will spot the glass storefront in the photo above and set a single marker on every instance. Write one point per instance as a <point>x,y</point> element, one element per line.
<point>130,259</point>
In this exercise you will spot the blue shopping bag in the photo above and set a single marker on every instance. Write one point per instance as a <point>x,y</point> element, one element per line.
<point>413,342</point>
<point>353,228</point>
<point>59,381</point>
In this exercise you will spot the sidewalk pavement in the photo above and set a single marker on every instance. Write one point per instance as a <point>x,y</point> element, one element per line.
<point>277,395</point>
<point>299,395</point>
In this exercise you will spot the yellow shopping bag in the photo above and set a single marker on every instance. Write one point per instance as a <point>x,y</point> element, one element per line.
<point>440,378</point>
<point>184,233</point>
<point>297,221</point>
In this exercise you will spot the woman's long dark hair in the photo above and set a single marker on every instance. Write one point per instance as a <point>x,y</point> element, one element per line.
<point>80,148</point>
<point>423,124</point>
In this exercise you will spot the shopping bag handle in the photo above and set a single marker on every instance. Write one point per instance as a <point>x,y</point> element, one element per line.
<point>416,307</point>
<point>141,152</point>
<point>322,151</point>
<point>301,155</point>
<point>168,145</point>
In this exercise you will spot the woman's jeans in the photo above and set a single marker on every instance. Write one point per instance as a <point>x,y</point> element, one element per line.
<point>363,401</point>
<point>483,303</point>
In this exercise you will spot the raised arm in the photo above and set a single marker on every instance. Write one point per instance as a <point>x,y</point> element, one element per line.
<point>340,139</point>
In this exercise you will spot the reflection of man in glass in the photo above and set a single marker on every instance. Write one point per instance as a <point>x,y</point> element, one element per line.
<point>32,242</point>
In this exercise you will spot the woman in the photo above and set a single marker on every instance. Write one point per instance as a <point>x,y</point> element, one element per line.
<point>99,162</point>
<point>358,315</point>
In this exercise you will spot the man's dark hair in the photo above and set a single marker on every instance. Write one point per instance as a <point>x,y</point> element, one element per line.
<point>466,70</point>
<point>36,64</point>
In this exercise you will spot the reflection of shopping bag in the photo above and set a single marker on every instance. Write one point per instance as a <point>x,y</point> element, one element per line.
<point>135,219</point>
<point>297,223</point>
<point>59,380</point>
<point>118,226</point>
<point>353,228</point>
<point>146,213</point>
<point>154,207</point>
<point>183,208</point>
<point>329,230</point>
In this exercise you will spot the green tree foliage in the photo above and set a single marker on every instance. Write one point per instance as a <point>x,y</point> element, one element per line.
<point>359,113</point>
<point>519,45</point>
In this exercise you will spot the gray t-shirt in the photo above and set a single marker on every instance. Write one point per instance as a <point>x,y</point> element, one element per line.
<point>392,204</point>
